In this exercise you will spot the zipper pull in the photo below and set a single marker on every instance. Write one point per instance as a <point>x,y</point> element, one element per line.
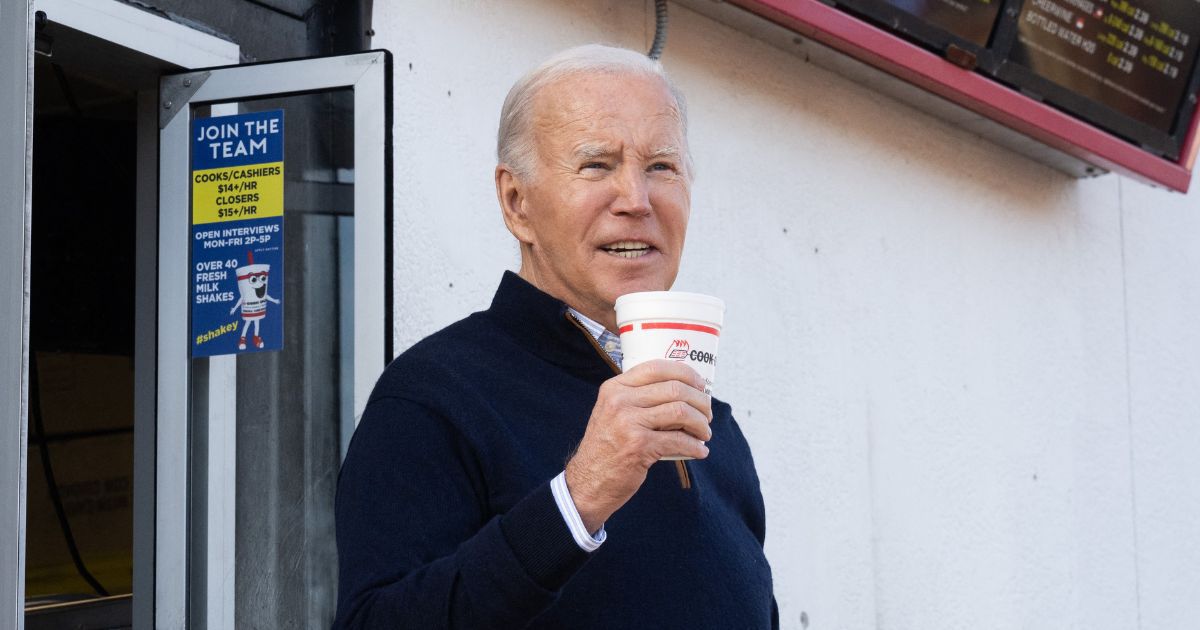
<point>685,480</point>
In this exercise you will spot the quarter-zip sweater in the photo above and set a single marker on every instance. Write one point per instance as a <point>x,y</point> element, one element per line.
<point>445,517</point>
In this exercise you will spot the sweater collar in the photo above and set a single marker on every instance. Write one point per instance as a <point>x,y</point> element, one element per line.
<point>541,323</point>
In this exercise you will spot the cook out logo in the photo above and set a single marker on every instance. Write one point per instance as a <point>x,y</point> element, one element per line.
<point>678,350</point>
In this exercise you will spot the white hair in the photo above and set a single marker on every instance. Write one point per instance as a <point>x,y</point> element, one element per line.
<point>514,141</point>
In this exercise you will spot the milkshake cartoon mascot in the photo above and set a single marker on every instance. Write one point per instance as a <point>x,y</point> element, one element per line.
<point>252,283</point>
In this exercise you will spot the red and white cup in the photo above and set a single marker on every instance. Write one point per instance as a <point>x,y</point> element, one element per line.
<point>671,325</point>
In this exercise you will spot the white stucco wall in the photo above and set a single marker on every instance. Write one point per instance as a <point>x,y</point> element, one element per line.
<point>972,385</point>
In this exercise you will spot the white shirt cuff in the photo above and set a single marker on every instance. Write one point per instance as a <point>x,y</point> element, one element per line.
<point>570,514</point>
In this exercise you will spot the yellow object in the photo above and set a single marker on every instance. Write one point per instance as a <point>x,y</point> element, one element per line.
<point>236,193</point>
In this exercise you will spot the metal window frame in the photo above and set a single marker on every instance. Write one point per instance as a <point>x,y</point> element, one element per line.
<point>124,24</point>
<point>368,74</point>
<point>16,146</point>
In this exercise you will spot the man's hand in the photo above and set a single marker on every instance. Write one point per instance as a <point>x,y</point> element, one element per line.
<point>658,409</point>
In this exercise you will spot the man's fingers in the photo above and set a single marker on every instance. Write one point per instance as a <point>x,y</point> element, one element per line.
<point>660,370</point>
<point>677,416</point>
<point>664,392</point>
<point>677,444</point>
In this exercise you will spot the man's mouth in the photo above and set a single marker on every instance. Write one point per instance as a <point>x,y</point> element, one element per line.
<point>627,249</point>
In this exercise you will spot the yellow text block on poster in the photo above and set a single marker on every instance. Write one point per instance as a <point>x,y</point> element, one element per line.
<point>235,193</point>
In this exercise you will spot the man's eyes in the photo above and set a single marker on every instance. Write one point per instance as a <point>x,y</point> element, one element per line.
<point>665,167</point>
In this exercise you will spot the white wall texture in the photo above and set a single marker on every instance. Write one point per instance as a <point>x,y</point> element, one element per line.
<point>972,384</point>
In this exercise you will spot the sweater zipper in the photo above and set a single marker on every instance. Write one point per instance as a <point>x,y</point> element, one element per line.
<point>685,480</point>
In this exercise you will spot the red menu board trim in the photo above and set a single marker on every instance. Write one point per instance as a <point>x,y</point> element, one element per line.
<point>980,94</point>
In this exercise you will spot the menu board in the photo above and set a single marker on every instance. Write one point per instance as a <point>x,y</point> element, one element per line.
<point>1134,56</point>
<point>971,20</point>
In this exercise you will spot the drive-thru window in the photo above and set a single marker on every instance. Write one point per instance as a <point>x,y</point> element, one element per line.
<point>204,321</point>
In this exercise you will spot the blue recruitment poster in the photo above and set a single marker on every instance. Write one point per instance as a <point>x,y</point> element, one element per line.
<point>237,234</point>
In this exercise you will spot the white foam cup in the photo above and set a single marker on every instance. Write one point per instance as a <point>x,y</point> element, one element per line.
<point>671,325</point>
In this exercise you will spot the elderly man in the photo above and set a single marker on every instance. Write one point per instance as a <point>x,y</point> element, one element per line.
<point>505,472</point>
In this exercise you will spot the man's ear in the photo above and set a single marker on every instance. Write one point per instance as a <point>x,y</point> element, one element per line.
<point>510,192</point>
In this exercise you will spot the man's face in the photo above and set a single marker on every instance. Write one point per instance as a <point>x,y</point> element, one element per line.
<point>608,204</point>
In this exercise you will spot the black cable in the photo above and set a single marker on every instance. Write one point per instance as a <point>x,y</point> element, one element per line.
<point>660,29</point>
<point>35,413</point>
<point>284,12</point>
<point>67,92</point>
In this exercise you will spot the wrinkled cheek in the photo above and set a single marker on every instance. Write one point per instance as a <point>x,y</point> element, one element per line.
<point>676,232</point>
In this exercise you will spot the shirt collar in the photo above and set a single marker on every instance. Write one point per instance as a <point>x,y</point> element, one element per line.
<point>610,343</point>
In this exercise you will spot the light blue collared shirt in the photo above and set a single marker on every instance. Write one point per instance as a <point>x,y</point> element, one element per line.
<point>609,342</point>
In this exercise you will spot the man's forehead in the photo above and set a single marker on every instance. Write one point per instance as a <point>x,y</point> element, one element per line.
<point>577,110</point>
<point>590,98</point>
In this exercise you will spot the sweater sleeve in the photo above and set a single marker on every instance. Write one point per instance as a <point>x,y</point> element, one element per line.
<point>417,547</point>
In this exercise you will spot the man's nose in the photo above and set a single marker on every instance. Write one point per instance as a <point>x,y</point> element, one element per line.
<point>633,192</point>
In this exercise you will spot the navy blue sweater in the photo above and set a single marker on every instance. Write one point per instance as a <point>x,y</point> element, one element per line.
<point>445,518</point>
